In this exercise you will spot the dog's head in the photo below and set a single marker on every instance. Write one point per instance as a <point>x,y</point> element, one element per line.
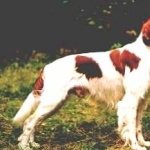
<point>146,32</point>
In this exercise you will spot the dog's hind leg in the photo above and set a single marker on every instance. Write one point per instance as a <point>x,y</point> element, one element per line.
<point>32,142</point>
<point>49,104</point>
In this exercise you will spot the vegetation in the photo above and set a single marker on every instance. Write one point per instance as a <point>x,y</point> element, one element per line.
<point>81,124</point>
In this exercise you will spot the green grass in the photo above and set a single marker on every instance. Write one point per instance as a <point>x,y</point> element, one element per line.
<point>82,124</point>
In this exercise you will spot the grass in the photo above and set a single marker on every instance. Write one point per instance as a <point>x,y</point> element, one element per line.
<point>82,124</point>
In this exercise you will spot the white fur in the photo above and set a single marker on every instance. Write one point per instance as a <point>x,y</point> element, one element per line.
<point>129,91</point>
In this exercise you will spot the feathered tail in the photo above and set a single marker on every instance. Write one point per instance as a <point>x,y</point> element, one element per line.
<point>26,109</point>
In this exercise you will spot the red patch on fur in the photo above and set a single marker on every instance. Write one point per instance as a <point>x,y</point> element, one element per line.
<point>126,58</point>
<point>88,66</point>
<point>80,91</point>
<point>38,86</point>
<point>146,32</point>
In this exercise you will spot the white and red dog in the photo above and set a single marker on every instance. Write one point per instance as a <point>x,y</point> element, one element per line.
<point>120,77</point>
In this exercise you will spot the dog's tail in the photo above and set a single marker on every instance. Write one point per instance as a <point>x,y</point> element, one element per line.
<point>26,109</point>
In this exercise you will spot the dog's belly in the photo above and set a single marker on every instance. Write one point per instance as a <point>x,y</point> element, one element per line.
<point>108,90</point>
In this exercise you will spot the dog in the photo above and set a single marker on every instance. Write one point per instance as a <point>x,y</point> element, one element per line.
<point>124,73</point>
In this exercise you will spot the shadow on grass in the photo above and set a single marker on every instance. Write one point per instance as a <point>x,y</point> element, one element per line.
<point>87,135</point>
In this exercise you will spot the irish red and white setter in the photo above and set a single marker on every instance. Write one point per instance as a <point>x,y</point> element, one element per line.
<point>124,73</point>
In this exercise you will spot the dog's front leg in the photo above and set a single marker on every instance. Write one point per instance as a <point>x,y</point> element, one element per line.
<point>127,113</point>
<point>141,108</point>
